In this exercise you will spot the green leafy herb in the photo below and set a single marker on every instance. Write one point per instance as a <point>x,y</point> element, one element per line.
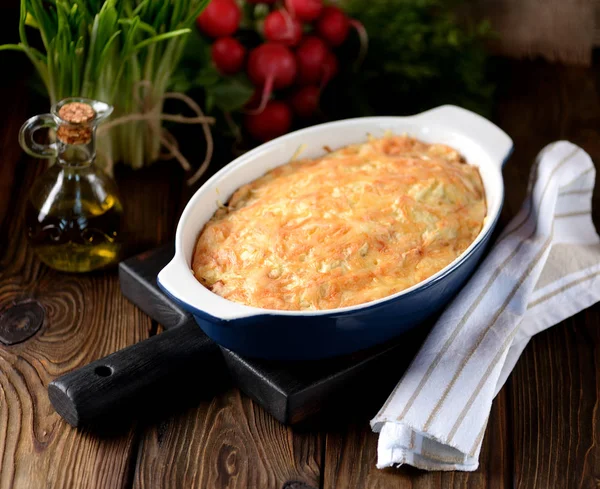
<point>419,56</point>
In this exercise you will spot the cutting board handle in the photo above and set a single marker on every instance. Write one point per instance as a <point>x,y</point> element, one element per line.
<point>127,379</point>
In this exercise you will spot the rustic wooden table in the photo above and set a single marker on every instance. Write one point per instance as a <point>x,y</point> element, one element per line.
<point>544,430</point>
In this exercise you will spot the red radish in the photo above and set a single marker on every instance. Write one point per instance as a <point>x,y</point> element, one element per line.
<point>333,25</point>
<point>330,68</point>
<point>273,121</point>
<point>305,10</point>
<point>220,18</point>
<point>254,101</point>
<point>262,1</point>
<point>280,26</point>
<point>305,100</point>
<point>311,55</point>
<point>271,66</point>
<point>271,60</point>
<point>228,54</point>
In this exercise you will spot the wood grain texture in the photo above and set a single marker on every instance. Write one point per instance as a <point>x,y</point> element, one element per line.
<point>21,321</point>
<point>351,455</point>
<point>229,442</point>
<point>37,449</point>
<point>544,427</point>
<point>85,317</point>
<point>555,389</point>
<point>555,404</point>
<point>564,31</point>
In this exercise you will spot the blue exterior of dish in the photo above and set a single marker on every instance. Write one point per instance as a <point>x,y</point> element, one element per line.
<point>278,337</point>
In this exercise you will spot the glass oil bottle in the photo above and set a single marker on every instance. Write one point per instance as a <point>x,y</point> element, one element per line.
<point>74,213</point>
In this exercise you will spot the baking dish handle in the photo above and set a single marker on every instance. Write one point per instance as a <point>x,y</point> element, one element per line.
<point>495,141</point>
<point>179,283</point>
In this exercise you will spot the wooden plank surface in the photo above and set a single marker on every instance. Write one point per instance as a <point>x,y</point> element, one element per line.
<point>543,430</point>
<point>554,391</point>
<point>84,318</point>
<point>229,442</point>
<point>351,455</point>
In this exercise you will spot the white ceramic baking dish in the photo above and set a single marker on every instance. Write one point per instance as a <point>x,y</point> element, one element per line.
<point>316,334</point>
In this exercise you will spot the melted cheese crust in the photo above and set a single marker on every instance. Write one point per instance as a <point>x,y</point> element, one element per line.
<point>355,225</point>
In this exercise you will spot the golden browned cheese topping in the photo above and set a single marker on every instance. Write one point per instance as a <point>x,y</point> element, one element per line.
<point>355,225</point>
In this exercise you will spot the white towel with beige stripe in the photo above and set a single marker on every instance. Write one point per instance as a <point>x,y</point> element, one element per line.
<point>544,268</point>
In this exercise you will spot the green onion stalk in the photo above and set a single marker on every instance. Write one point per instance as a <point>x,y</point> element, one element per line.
<point>122,52</point>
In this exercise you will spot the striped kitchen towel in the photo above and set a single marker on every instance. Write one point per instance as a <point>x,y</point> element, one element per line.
<point>544,268</point>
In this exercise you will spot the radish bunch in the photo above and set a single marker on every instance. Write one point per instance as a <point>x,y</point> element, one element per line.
<point>290,67</point>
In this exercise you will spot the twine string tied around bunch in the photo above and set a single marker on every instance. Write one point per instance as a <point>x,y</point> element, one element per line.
<point>150,112</point>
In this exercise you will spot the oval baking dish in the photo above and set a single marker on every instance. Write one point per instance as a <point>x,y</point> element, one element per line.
<point>303,335</point>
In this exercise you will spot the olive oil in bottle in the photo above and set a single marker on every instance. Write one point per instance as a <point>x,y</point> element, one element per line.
<point>77,242</point>
<point>74,213</point>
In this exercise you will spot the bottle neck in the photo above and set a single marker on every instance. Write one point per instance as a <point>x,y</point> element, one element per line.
<point>77,155</point>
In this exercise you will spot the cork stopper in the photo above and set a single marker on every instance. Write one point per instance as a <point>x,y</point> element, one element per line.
<point>76,115</point>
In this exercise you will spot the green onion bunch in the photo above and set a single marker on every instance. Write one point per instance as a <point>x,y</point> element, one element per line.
<point>122,52</point>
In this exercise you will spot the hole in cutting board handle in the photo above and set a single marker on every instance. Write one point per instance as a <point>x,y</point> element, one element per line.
<point>103,371</point>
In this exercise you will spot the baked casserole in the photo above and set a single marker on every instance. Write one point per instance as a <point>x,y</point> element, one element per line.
<point>358,224</point>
